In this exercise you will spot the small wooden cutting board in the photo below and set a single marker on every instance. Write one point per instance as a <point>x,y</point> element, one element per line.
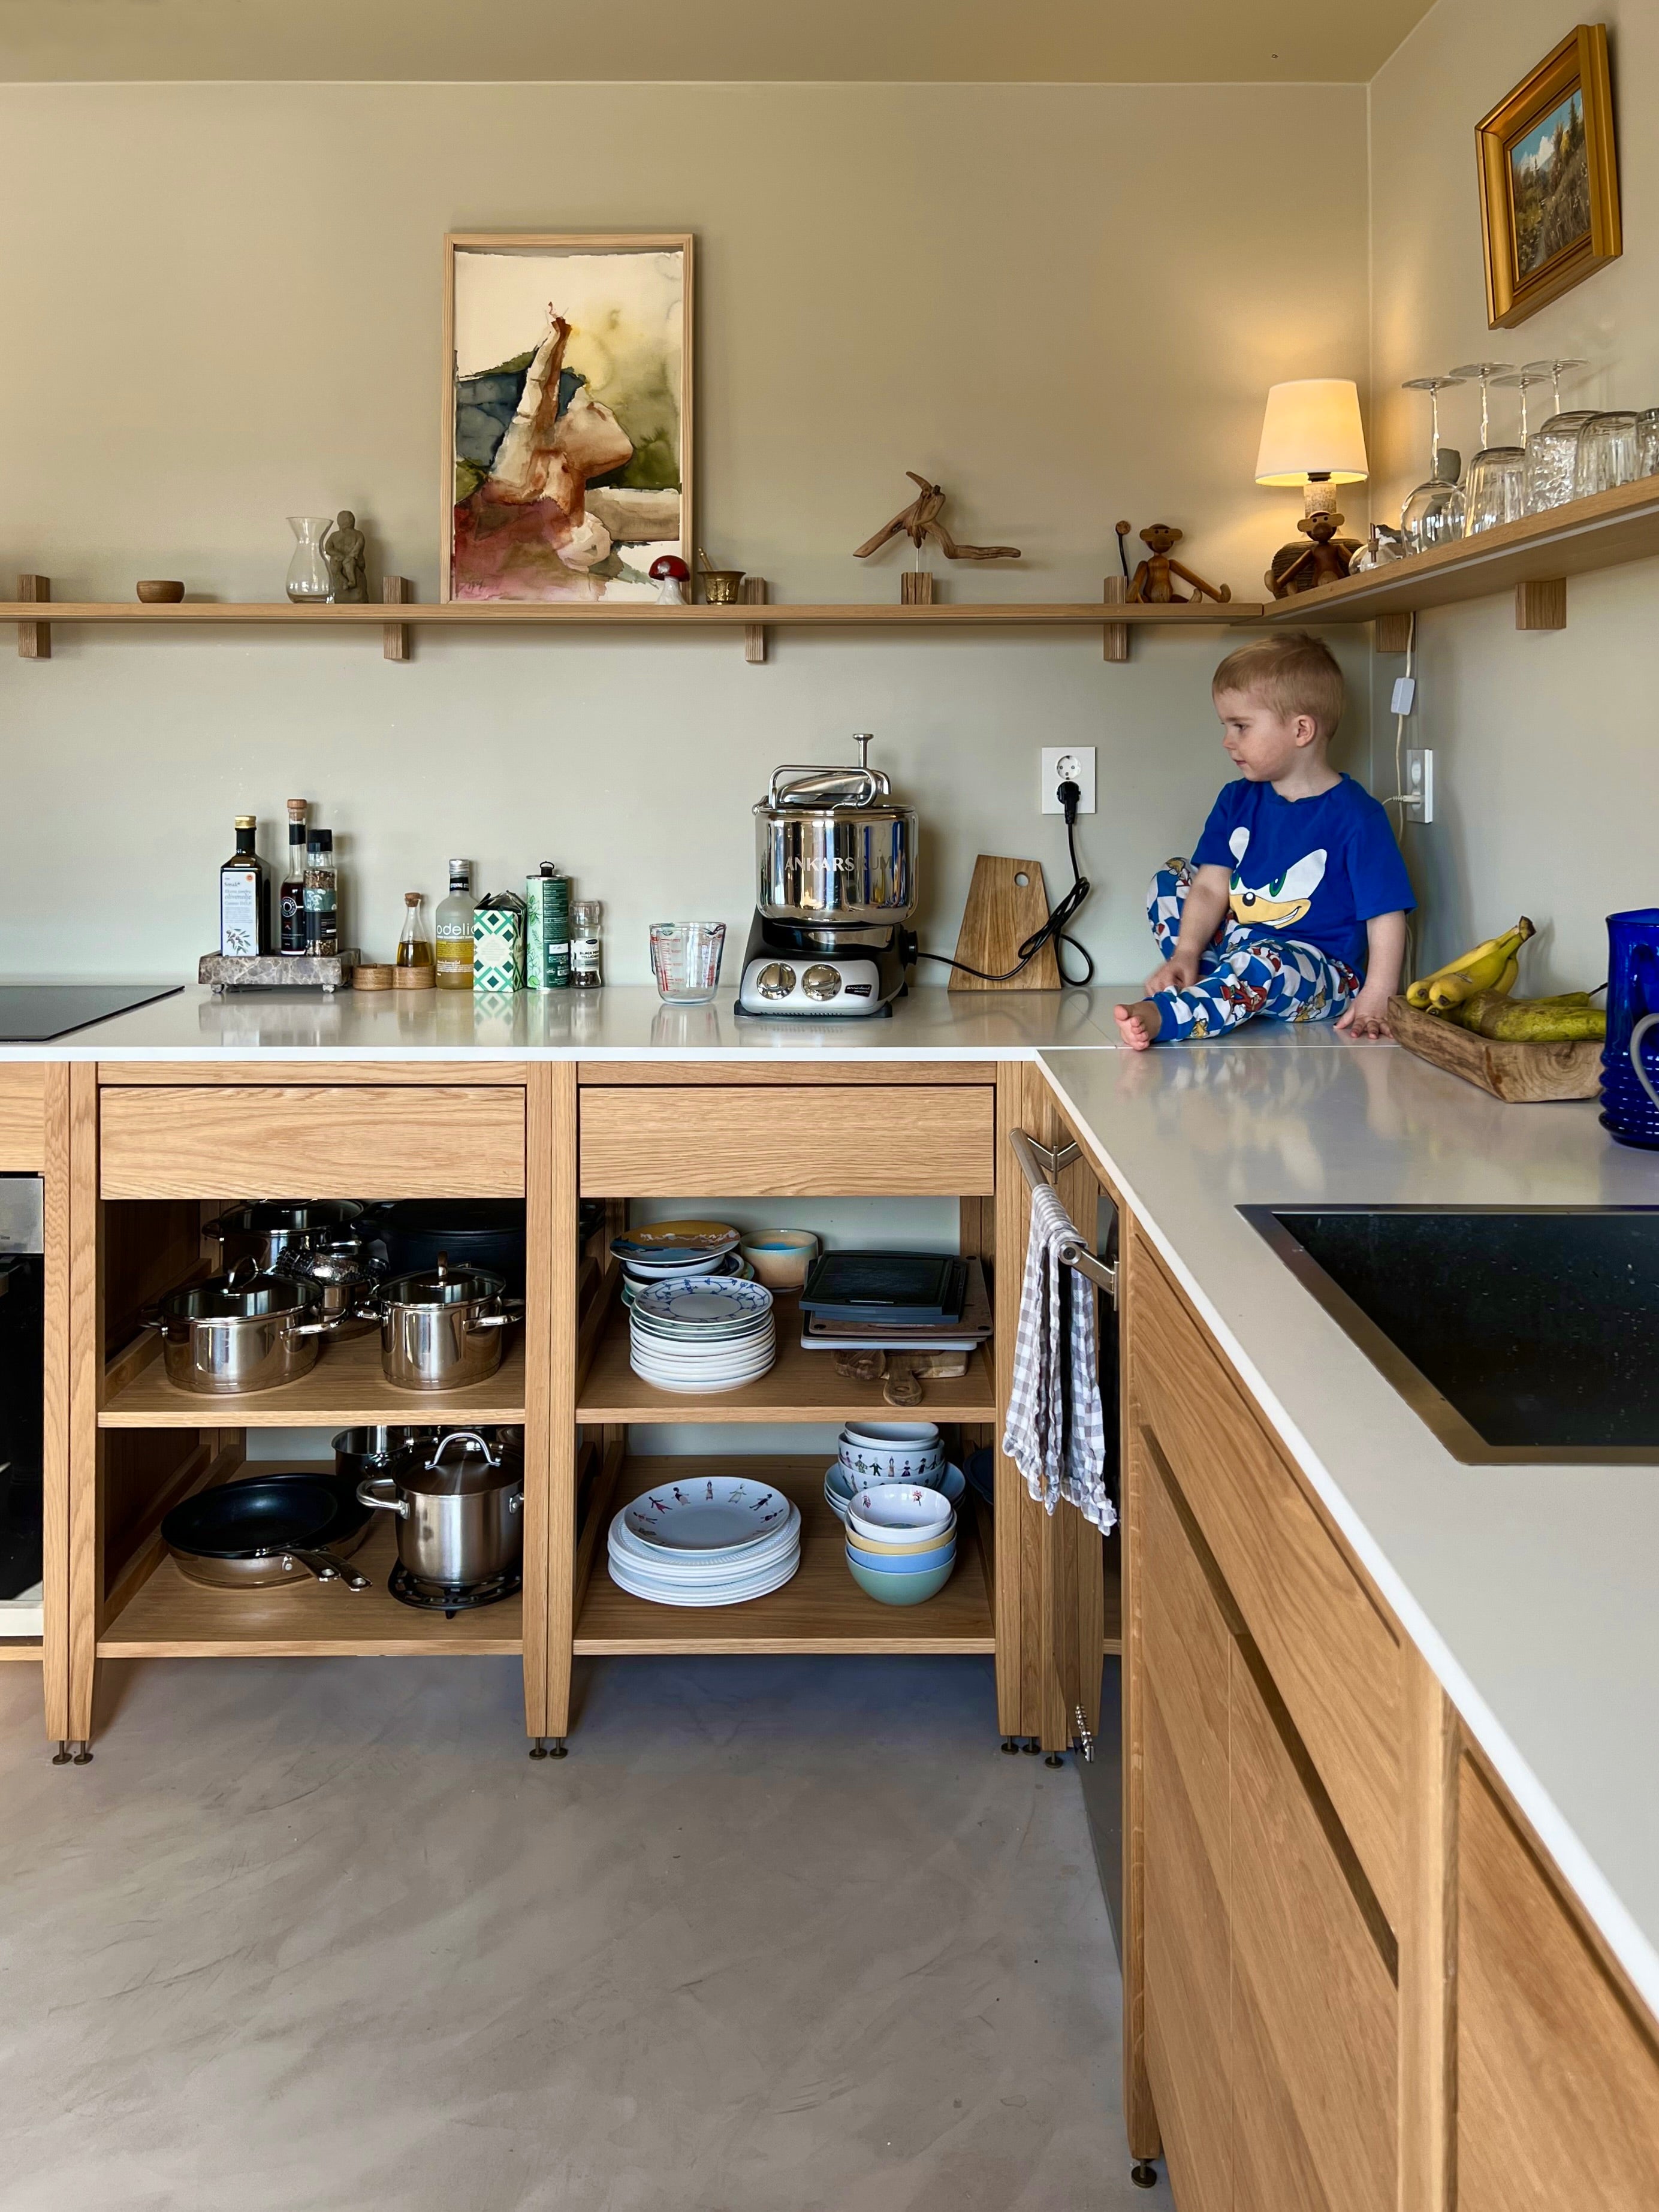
<point>1521,1074</point>
<point>1002,913</point>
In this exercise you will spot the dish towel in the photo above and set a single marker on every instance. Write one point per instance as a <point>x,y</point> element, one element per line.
<point>1056,1428</point>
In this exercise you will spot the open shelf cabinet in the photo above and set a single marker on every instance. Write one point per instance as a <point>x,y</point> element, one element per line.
<point>345,1387</point>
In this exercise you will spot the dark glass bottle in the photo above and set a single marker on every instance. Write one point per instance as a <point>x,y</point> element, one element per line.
<point>322,906</point>
<point>291,899</point>
<point>245,896</point>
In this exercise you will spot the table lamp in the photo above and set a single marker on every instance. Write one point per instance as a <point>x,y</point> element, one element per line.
<point>1311,435</point>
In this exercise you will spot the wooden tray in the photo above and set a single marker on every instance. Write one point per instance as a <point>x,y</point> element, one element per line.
<point>1521,1074</point>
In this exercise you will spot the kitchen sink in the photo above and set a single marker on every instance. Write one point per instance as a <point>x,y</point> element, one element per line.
<point>1516,1333</point>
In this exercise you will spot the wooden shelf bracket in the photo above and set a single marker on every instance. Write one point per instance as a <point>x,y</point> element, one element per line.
<point>1541,603</point>
<point>396,637</point>
<point>34,638</point>
<point>753,592</point>
<point>1115,636</point>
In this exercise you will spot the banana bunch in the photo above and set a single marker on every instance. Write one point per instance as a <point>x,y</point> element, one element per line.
<point>1489,968</point>
<point>1566,1018</point>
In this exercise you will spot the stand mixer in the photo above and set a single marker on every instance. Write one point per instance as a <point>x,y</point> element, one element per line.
<point>836,887</point>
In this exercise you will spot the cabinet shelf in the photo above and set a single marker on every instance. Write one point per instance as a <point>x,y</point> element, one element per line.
<point>168,1617</point>
<point>479,614</point>
<point>821,1611</point>
<point>346,1387</point>
<point>20,1647</point>
<point>799,1386</point>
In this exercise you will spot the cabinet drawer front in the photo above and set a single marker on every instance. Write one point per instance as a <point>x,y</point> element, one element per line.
<point>1331,1653</point>
<point>437,1141</point>
<point>820,1141</point>
<point>22,1117</point>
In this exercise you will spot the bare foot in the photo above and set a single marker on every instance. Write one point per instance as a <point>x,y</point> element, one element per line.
<point>1139,1025</point>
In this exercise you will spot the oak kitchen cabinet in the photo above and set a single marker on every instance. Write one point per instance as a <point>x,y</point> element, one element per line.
<point>1352,1979</point>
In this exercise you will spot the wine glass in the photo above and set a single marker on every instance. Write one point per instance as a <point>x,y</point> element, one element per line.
<point>1495,490</point>
<point>1433,514</point>
<point>1551,449</point>
<point>1555,368</point>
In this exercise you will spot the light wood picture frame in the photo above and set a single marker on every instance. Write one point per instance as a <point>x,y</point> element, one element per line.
<point>567,441</point>
<point>1549,181</point>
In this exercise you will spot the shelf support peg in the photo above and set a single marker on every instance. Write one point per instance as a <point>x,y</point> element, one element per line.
<point>1541,604</point>
<point>1115,636</point>
<point>396,592</point>
<point>34,638</point>
<point>1393,633</point>
<point>753,592</point>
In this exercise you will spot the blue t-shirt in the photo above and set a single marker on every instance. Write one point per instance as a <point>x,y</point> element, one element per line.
<point>1313,870</point>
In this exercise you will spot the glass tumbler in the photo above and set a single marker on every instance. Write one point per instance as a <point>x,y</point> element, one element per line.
<point>1647,442</point>
<point>1607,452</point>
<point>1496,490</point>
<point>1553,460</point>
<point>685,959</point>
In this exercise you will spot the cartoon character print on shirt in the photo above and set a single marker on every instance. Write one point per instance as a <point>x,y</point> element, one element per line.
<point>1280,903</point>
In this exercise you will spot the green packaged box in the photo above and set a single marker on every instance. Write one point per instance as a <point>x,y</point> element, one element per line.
<point>498,943</point>
<point>547,929</point>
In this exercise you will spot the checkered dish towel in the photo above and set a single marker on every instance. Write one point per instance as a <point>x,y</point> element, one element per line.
<point>1056,1428</point>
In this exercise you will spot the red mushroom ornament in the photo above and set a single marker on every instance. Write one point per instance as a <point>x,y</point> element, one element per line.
<point>671,576</point>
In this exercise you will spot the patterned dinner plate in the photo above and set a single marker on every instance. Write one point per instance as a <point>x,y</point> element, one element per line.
<point>711,1513</point>
<point>706,1301</point>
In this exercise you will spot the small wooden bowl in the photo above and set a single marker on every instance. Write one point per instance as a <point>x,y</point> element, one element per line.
<point>372,976</point>
<point>160,591</point>
<point>414,979</point>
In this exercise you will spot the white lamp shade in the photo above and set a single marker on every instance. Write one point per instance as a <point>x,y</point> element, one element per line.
<point>1312,429</point>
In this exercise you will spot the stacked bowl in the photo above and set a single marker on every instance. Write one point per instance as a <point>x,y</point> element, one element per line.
<point>674,1252</point>
<point>900,1541</point>
<point>717,1540</point>
<point>889,1451</point>
<point>702,1333</point>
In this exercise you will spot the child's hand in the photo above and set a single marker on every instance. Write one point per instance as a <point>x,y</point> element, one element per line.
<point>1367,1017</point>
<point>1178,973</point>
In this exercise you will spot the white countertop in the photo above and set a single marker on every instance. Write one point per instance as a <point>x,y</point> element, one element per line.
<point>629,1022</point>
<point>1531,1590</point>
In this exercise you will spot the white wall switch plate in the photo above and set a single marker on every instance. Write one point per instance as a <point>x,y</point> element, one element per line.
<point>1419,784</point>
<point>1405,694</point>
<point>1068,764</point>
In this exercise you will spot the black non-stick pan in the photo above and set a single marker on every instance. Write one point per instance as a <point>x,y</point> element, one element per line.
<point>266,1530</point>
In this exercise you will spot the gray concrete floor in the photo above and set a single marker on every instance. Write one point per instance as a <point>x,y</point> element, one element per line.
<point>777,1936</point>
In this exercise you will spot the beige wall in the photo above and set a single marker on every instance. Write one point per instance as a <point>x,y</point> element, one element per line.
<point>222,304</point>
<point>1545,742</point>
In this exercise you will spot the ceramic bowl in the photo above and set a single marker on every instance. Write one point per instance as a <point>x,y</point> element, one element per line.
<point>160,591</point>
<point>780,1257</point>
<point>919,1563</point>
<point>903,1452</point>
<point>900,1589</point>
<point>912,1435</point>
<point>903,1547</point>
<point>899,1509</point>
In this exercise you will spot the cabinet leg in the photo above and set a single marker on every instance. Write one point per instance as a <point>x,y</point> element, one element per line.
<point>83,1754</point>
<point>538,1747</point>
<point>61,1756</point>
<point>1054,1759</point>
<point>1032,1744</point>
<point>1009,1745</point>
<point>558,1748</point>
<point>1143,2174</point>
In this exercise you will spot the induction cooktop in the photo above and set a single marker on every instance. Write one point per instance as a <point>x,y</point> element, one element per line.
<point>34,1013</point>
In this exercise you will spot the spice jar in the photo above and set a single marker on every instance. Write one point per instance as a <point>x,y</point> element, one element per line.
<point>585,916</point>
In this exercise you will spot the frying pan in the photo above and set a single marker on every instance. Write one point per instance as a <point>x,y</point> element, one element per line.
<point>264,1531</point>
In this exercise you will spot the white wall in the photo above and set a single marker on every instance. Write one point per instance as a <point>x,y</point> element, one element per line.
<point>1545,742</point>
<point>222,306</point>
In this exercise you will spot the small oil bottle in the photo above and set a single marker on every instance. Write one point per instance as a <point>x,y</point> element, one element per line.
<point>291,898</point>
<point>245,896</point>
<point>414,946</point>
<point>455,930</point>
<point>586,917</point>
<point>322,896</point>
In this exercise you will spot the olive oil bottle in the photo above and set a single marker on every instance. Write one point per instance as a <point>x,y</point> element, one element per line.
<point>454,930</point>
<point>245,896</point>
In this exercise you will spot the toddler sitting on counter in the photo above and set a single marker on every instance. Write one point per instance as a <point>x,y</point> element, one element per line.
<point>1293,905</point>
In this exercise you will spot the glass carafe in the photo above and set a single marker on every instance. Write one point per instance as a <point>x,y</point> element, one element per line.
<point>308,571</point>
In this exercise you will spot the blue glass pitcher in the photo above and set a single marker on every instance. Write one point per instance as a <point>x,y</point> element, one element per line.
<point>1630,1058</point>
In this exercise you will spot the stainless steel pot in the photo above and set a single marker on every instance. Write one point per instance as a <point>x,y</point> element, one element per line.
<point>443,1327</point>
<point>268,1230</point>
<point>359,1453</point>
<point>832,846</point>
<point>243,1331</point>
<point>459,1507</point>
<point>348,1272</point>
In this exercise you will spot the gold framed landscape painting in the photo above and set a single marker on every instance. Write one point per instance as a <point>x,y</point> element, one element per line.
<point>1549,181</point>
<point>567,414</point>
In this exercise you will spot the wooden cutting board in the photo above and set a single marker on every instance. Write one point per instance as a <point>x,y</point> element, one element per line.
<point>1521,1074</point>
<point>1002,913</point>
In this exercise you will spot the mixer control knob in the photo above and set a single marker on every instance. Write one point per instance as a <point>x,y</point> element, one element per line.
<point>776,981</point>
<point>821,982</point>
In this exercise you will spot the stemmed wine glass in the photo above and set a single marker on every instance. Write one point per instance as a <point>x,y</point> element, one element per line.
<point>1497,483</point>
<point>1433,515</point>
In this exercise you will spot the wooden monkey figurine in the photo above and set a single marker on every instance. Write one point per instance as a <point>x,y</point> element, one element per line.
<point>920,520</point>
<point>1152,585</point>
<point>1323,561</point>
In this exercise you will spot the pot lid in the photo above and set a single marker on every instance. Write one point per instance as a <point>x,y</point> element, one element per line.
<point>443,1286</point>
<point>240,1297</point>
<point>459,1465</point>
<point>264,1216</point>
<point>801,788</point>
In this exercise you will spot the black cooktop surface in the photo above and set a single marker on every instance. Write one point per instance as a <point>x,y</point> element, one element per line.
<point>34,1013</point>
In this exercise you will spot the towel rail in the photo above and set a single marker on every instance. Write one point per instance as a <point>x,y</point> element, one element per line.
<point>1037,1163</point>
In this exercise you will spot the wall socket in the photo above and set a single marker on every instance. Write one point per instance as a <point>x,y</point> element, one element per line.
<point>1419,784</point>
<point>1070,764</point>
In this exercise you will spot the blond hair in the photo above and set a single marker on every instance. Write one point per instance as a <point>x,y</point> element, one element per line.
<point>1290,674</point>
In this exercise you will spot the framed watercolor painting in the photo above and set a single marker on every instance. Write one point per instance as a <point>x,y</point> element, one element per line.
<point>567,414</point>
<point>1549,181</point>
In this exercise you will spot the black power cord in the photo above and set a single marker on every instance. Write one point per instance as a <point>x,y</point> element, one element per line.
<point>1053,931</point>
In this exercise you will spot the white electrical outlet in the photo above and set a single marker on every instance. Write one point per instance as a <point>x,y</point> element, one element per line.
<point>1419,784</point>
<point>1070,764</point>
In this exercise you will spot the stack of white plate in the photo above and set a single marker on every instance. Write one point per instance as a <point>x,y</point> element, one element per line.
<point>718,1539</point>
<point>707,1334</point>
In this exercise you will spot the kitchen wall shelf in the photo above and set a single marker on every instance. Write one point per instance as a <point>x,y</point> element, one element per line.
<point>347,1386</point>
<point>822,1610</point>
<point>800,1386</point>
<point>20,1647</point>
<point>168,1617</point>
<point>1533,558</point>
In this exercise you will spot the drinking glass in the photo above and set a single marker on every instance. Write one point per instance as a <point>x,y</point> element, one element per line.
<point>1496,490</point>
<point>1553,460</point>
<point>1647,442</point>
<point>1607,452</point>
<point>1433,514</point>
<point>685,959</point>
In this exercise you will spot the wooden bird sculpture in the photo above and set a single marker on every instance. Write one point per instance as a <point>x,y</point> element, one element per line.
<point>920,520</point>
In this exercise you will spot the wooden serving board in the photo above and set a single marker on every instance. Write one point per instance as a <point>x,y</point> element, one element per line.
<point>1521,1074</point>
<point>1007,903</point>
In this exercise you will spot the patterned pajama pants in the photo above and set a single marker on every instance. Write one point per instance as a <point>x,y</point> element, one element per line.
<point>1242,973</point>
